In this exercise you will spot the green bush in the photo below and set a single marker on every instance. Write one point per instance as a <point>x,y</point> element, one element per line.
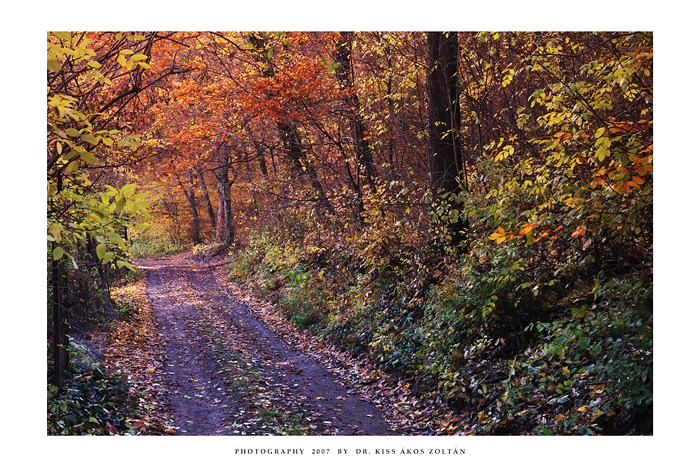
<point>91,402</point>
<point>153,248</point>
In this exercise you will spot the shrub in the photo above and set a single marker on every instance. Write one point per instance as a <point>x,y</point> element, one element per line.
<point>91,402</point>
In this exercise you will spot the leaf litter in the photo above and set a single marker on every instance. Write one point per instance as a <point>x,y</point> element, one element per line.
<point>208,358</point>
<point>227,373</point>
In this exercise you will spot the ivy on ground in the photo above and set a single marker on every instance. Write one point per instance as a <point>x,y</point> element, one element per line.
<point>120,395</point>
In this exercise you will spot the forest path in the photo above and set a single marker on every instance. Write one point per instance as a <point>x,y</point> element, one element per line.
<point>228,374</point>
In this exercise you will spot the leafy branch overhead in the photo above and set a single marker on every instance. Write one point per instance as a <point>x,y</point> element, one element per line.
<point>91,77</point>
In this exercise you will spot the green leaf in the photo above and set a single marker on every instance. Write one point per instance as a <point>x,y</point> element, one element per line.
<point>101,249</point>
<point>142,206</point>
<point>87,156</point>
<point>102,79</point>
<point>596,349</point>
<point>69,51</point>
<point>72,167</point>
<point>602,153</point>
<point>111,191</point>
<point>605,142</point>
<point>122,264</point>
<point>128,190</point>
<point>128,140</point>
<point>58,252</point>
<point>72,132</point>
<point>63,35</point>
<point>120,203</point>
<point>599,132</point>
<point>53,65</point>
<point>55,229</point>
<point>90,138</point>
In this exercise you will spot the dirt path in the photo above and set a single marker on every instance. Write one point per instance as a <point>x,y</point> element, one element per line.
<point>228,374</point>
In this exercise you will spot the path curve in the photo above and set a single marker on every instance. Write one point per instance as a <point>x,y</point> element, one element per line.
<point>228,374</point>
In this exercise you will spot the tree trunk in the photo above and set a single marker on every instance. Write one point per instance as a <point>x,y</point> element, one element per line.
<point>292,143</point>
<point>344,75</point>
<point>206,197</point>
<point>442,93</point>
<point>192,200</point>
<point>262,163</point>
<point>443,112</point>
<point>391,141</point>
<point>225,227</point>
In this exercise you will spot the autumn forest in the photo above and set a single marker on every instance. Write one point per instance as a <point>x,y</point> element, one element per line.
<point>462,220</point>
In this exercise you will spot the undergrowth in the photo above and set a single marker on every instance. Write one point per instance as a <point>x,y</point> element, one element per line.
<point>550,347</point>
<point>153,248</point>
<point>94,401</point>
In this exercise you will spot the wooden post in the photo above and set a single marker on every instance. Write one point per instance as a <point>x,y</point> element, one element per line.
<point>60,338</point>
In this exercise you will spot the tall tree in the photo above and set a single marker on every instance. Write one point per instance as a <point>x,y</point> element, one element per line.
<point>359,134</point>
<point>442,94</point>
<point>221,172</point>
<point>205,195</point>
<point>288,132</point>
<point>192,201</point>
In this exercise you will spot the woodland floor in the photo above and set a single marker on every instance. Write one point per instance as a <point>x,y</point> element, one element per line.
<point>225,372</point>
